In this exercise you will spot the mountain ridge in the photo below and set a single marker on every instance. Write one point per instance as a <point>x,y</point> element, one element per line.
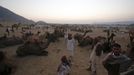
<point>10,16</point>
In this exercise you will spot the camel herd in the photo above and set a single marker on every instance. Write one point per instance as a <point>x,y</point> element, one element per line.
<point>36,44</point>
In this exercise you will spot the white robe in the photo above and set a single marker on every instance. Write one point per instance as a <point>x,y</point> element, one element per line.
<point>92,59</point>
<point>71,46</point>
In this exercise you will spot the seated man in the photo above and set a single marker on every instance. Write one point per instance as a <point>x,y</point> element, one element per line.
<point>116,62</point>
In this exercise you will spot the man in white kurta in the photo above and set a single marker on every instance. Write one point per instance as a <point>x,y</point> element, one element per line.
<point>70,45</point>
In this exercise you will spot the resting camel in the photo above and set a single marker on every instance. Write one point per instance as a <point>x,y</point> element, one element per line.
<point>33,46</point>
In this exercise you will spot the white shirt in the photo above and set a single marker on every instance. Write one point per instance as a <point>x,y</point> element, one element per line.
<point>70,44</point>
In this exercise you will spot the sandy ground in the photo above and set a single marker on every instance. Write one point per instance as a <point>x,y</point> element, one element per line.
<point>47,65</point>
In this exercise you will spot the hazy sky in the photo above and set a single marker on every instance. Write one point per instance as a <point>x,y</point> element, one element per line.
<point>72,11</point>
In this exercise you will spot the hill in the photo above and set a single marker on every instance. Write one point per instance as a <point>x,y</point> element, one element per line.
<point>9,16</point>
